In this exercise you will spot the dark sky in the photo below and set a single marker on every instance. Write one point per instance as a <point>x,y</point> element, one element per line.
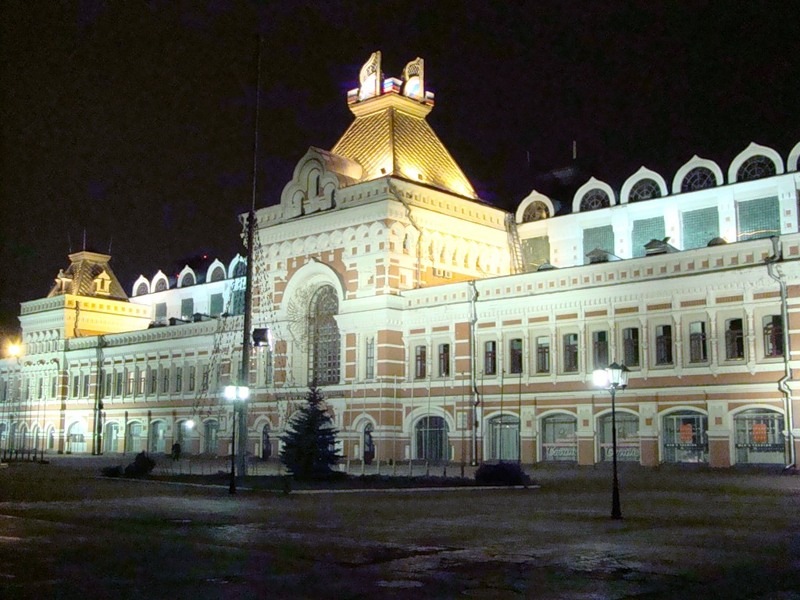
<point>133,121</point>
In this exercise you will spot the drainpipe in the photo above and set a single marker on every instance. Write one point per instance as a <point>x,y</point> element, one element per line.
<point>473,319</point>
<point>777,256</point>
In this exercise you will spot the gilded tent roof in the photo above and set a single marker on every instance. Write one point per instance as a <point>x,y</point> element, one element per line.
<point>392,140</point>
<point>79,278</point>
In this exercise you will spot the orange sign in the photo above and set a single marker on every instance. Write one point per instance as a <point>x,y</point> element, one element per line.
<point>759,433</point>
<point>687,433</point>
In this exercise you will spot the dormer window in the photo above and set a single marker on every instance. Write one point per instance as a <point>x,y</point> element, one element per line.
<point>64,282</point>
<point>102,284</point>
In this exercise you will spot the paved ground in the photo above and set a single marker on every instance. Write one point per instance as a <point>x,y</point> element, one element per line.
<point>64,533</point>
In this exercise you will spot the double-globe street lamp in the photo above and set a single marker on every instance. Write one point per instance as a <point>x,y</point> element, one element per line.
<point>613,378</point>
<point>236,394</point>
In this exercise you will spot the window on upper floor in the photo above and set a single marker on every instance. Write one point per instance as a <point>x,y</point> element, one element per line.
<point>141,289</point>
<point>420,362</point>
<point>698,347</point>
<point>119,380</point>
<point>444,360</point>
<point>699,227</point>
<point>187,279</point>
<point>570,341</point>
<point>216,304</point>
<point>756,167</point>
<point>161,311</point>
<point>630,346</point>
<point>179,379</point>
<point>699,178</point>
<point>192,378</point>
<point>734,339</point>
<point>644,189</point>
<point>664,344</point>
<point>600,349</point>
<point>161,285</point>
<point>758,218</point>
<point>324,337</point>
<point>594,199</point>
<point>187,308</point>
<point>218,274</point>
<point>543,354</point>
<point>85,391</point>
<point>515,356</point>
<point>153,381</point>
<point>773,336</point>
<point>490,358</point>
<point>369,358</point>
<point>76,382</point>
<point>164,381</point>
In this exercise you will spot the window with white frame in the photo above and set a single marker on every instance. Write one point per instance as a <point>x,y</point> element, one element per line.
<point>543,354</point>
<point>490,358</point>
<point>698,346</point>
<point>444,360</point>
<point>600,349</point>
<point>369,358</point>
<point>664,345</point>
<point>734,339</point>
<point>164,381</point>
<point>773,336</point>
<point>630,346</point>
<point>515,356</point>
<point>420,362</point>
<point>570,341</point>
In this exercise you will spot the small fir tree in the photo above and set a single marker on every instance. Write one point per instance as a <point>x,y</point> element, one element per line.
<point>309,449</point>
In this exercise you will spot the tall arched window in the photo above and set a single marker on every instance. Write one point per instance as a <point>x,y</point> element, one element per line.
<point>323,336</point>
<point>536,211</point>
<point>645,189</point>
<point>432,441</point>
<point>699,178</point>
<point>594,199</point>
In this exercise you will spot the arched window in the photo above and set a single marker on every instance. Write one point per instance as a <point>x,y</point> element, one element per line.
<point>756,167</point>
<point>559,438</point>
<point>594,199</point>
<point>187,279</point>
<point>432,441</point>
<point>266,444</point>
<point>504,438</point>
<point>699,178</point>
<point>324,338</point>
<point>759,437</point>
<point>158,431</point>
<point>644,189</point>
<point>218,274</point>
<point>241,269</point>
<point>141,289</point>
<point>535,211</point>
<point>627,437</point>
<point>685,437</point>
<point>161,285</point>
<point>211,430</point>
<point>369,444</point>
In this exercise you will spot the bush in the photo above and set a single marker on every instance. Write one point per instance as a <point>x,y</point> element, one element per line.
<point>141,466</point>
<point>502,473</point>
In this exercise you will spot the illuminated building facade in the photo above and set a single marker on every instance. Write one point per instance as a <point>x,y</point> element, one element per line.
<point>439,327</point>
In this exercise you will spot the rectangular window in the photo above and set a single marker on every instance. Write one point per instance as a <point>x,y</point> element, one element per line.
<point>699,227</point>
<point>369,358</point>
<point>205,378</point>
<point>86,379</point>
<point>179,379</point>
<point>192,378</point>
<point>600,349</point>
<point>664,345</point>
<point>645,230</point>
<point>131,382</point>
<point>698,350</point>
<point>420,360</point>
<point>758,218</point>
<point>630,346</point>
<point>543,354</point>
<point>595,238</point>
<point>515,356</point>
<point>118,379</point>
<point>109,384</point>
<point>237,302</point>
<point>141,381</point>
<point>536,252</point>
<point>153,381</point>
<point>773,336</point>
<point>734,339</point>
<point>444,360</point>
<point>75,386</point>
<point>571,353</point>
<point>187,308</point>
<point>161,311</point>
<point>165,381</point>
<point>54,387</point>
<point>268,367</point>
<point>490,358</point>
<point>216,305</point>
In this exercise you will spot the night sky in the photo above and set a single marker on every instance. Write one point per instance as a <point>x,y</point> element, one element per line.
<point>133,121</point>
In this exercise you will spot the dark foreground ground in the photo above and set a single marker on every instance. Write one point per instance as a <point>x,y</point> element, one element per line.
<point>65,533</point>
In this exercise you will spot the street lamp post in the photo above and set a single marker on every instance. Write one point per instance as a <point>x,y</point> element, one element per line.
<point>613,378</point>
<point>235,394</point>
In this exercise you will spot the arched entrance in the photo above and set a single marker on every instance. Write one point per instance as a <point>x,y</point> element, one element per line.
<point>503,438</point>
<point>431,439</point>
<point>759,437</point>
<point>76,438</point>
<point>685,438</point>
<point>111,438</point>
<point>211,436</point>
<point>627,437</point>
<point>266,443</point>
<point>133,441</point>
<point>369,444</point>
<point>158,430</point>
<point>51,438</point>
<point>559,439</point>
